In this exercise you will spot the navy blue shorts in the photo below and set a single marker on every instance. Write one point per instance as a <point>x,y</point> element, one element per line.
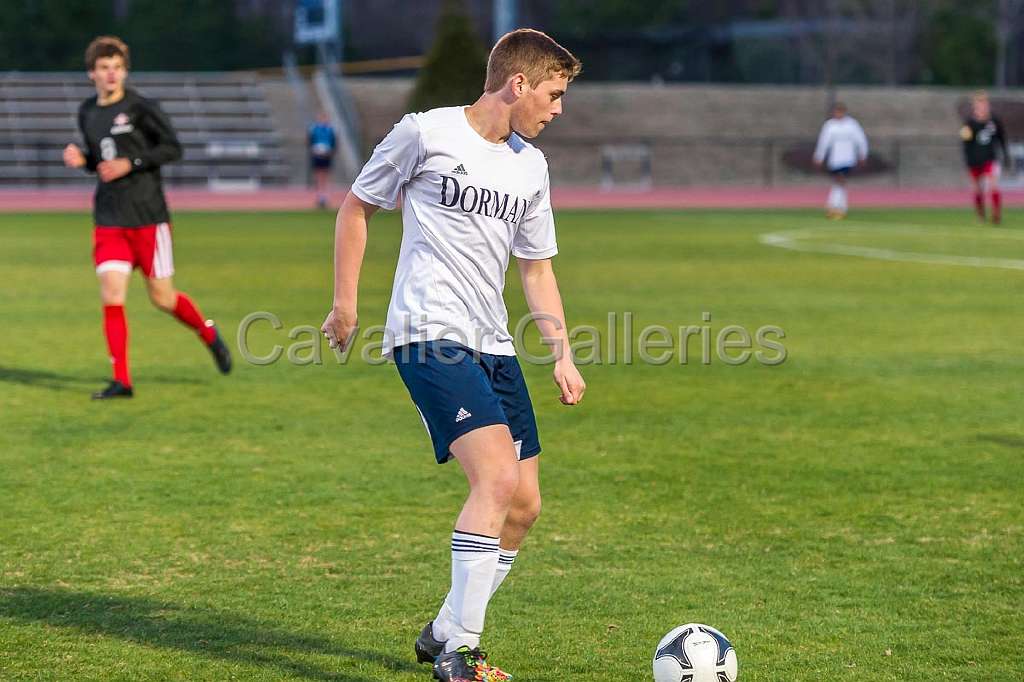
<point>841,172</point>
<point>457,390</point>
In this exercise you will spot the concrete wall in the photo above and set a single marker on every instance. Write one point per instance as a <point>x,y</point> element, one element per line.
<point>712,135</point>
<point>292,119</point>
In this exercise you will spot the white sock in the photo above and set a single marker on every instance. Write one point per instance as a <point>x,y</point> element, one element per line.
<point>842,199</point>
<point>506,557</point>
<point>441,628</point>
<point>444,621</point>
<point>474,563</point>
<point>833,198</point>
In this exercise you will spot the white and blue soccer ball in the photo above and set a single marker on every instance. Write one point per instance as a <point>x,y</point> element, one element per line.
<point>695,653</point>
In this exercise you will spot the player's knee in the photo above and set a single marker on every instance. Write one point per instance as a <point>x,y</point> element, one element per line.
<point>112,296</point>
<point>164,300</point>
<point>501,486</point>
<point>527,512</point>
<point>113,288</point>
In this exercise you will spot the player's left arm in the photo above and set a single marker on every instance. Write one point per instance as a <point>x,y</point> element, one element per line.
<point>533,246</point>
<point>545,303</point>
<point>1003,146</point>
<point>164,145</point>
<point>862,144</point>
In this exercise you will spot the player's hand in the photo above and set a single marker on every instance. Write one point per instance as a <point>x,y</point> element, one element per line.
<point>73,156</point>
<point>569,381</point>
<point>340,328</point>
<point>113,169</point>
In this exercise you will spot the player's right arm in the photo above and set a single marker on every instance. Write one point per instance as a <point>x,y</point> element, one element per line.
<point>74,156</point>
<point>350,230</point>
<point>394,162</point>
<point>823,143</point>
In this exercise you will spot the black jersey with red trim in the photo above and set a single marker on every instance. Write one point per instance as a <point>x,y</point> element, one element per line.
<point>980,139</point>
<point>134,128</point>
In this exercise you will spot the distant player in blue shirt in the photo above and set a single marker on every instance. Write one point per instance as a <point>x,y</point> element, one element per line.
<point>322,144</point>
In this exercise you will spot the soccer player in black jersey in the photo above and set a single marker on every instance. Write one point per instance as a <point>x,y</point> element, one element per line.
<point>982,133</point>
<point>127,138</point>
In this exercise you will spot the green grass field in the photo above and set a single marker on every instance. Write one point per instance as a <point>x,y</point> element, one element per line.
<point>852,514</point>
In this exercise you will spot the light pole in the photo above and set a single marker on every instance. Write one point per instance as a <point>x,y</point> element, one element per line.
<point>505,17</point>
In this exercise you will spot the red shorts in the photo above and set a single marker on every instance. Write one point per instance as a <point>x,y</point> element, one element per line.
<point>125,248</point>
<point>988,168</point>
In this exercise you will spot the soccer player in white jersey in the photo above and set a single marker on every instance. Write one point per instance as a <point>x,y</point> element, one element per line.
<point>473,192</point>
<point>842,145</point>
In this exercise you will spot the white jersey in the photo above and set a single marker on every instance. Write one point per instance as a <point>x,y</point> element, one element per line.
<point>842,142</point>
<point>467,204</point>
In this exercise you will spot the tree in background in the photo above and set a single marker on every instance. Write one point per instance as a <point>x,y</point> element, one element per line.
<point>959,45</point>
<point>855,41</point>
<point>456,66</point>
<point>50,34</point>
<point>580,17</point>
<point>201,35</point>
<point>185,35</point>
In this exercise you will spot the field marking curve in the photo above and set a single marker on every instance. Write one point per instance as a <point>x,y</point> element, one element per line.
<point>790,239</point>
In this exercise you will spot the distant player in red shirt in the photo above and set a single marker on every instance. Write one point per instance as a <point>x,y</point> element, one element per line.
<point>127,139</point>
<point>982,133</point>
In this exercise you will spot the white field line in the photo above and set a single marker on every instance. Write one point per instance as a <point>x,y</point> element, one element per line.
<point>794,241</point>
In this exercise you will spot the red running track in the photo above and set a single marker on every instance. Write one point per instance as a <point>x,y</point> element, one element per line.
<point>292,199</point>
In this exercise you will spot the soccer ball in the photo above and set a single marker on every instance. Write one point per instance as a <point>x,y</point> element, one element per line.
<point>695,653</point>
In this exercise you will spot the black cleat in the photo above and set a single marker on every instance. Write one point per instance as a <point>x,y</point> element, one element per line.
<point>467,665</point>
<point>115,389</point>
<point>221,354</point>
<point>428,648</point>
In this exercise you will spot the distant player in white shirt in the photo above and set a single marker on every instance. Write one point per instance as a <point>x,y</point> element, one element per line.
<point>474,193</point>
<point>842,146</point>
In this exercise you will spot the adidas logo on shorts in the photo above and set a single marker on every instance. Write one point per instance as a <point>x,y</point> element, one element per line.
<point>463,414</point>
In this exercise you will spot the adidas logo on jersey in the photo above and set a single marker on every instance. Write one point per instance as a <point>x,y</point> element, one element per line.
<point>462,415</point>
<point>460,170</point>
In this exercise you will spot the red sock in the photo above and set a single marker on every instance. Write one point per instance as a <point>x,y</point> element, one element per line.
<point>997,205</point>
<point>979,204</point>
<point>187,312</point>
<point>116,329</point>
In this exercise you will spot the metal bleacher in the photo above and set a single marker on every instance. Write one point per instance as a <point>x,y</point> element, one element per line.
<point>222,119</point>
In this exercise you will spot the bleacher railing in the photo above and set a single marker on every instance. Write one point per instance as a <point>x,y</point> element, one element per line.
<point>344,117</point>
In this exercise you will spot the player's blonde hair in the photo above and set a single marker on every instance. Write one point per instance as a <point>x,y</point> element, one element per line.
<point>980,96</point>
<point>532,53</point>
<point>105,46</point>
